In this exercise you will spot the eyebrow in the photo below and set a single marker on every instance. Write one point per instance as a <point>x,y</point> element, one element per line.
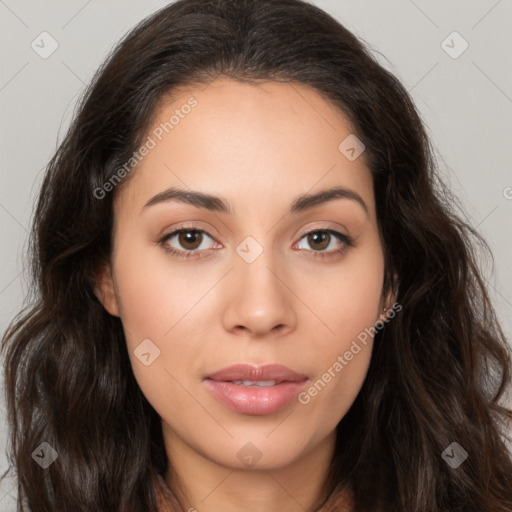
<point>218,204</point>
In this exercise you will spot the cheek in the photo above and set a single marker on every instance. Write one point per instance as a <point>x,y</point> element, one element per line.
<point>332,392</point>
<point>348,306</point>
<point>346,298</point>
<point>153,295</point>
<point>160,309</point>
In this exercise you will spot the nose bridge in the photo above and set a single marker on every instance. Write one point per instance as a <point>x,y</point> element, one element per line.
<point>259,300</point>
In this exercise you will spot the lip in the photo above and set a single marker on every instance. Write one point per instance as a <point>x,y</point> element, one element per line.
<point>243,371</point>
<point>255,400</point>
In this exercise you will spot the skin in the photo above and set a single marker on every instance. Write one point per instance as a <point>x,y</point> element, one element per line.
<point>259,147</point>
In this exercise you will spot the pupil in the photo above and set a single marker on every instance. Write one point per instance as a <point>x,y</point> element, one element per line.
<point>319,236</point>
<point>188,237</point>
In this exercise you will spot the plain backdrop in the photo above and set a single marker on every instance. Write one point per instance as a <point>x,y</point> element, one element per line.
<point>464,96</point>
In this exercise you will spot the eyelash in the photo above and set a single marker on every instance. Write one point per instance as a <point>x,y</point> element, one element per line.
<point>347,242</point>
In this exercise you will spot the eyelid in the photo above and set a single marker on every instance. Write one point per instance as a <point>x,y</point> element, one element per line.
<point>192,225</point>
<point>318,226</point>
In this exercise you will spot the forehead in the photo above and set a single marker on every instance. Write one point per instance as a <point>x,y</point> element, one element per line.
<point>255,143</point>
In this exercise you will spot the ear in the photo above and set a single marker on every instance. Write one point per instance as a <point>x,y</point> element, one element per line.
<point>105,290</point>
<point>390,299</point>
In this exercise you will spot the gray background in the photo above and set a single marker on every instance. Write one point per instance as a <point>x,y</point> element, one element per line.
<point>466,103</point>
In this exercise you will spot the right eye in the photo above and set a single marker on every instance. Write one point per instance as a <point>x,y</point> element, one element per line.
<point>189,238</point>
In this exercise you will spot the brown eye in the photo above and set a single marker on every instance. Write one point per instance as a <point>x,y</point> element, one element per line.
<point>190,239</point>
<point>319,240</point>
<point>322,242</point>
<point>186,242</point>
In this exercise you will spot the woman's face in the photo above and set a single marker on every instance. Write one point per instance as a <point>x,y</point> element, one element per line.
<point>255,287</point>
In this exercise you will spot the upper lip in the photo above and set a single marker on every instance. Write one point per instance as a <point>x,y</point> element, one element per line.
<point>244,371</point>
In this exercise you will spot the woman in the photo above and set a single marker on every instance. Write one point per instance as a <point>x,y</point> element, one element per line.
<point>253,290</point>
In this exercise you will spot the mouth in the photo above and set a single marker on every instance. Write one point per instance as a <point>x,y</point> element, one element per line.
<point>256,384</point>
<point>255,390</point>
<point>248,375</point>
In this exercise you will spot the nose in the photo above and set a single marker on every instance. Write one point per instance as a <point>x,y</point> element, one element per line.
<point>259,299</point>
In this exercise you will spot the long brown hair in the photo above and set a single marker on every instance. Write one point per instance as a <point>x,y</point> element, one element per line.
<point>438,371</point>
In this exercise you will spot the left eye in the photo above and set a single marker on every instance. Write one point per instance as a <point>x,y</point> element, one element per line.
<point>322,238</point>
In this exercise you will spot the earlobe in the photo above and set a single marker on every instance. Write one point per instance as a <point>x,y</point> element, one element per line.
<point>105,290</point>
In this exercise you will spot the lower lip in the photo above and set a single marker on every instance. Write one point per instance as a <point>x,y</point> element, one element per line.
<point>254,400</point>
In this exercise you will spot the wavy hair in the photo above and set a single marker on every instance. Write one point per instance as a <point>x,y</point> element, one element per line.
<point>438,371</point>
